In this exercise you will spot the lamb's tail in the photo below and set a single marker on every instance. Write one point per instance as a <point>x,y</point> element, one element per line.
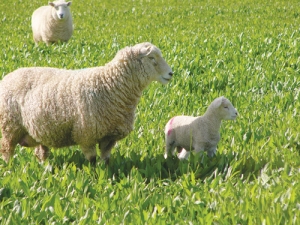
<point>169,142</point>
<point>168,128</point>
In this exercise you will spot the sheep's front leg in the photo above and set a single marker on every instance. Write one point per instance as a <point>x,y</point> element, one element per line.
<point>9,141</point>
<point>7,149</point>
<point>89,153</point>
<point>105,145</point>
<point>41,152</point>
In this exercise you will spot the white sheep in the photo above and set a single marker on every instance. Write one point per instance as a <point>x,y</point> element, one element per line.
<point>49,107</point>
<point>52,23</point>
<point>200,133</point>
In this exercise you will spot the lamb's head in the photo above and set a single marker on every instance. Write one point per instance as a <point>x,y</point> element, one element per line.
<point>153,63</point>
<point>61,9</point>
<point>223,108</point>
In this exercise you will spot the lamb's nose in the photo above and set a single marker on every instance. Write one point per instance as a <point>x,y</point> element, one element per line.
<point>61,16</point>
<point>171,73</point>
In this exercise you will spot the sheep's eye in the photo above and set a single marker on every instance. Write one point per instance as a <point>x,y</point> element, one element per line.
<point>226,107</point>
<point>153,59</point>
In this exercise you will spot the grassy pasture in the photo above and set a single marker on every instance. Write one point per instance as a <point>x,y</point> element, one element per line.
<point>248,51</point>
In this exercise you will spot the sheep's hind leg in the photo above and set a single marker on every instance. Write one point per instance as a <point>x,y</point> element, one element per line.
<point>89,153</point>
<point>41,152</point>
<point>105,145</point>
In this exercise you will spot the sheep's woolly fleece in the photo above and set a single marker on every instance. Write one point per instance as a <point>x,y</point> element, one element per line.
<point>52,23</point>
<point>185,133</point>
<point>49,107</point>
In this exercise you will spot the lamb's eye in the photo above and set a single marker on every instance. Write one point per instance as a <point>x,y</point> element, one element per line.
<point>226,107</point>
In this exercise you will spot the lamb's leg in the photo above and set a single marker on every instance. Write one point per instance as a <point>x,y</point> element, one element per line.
<point>41,152</point>
<point>170,148</point>
<point>89,153</point>
<point>183,154</point>
<point>105,145</point>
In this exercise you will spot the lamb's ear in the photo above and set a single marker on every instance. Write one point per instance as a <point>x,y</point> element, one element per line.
<point>145,50</point>
<point>51,4</point>
<point>69,3</point>
<point>218,101</point>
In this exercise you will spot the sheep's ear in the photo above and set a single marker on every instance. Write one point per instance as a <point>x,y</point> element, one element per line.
<point>51,4</point>
<point>146,50</point>
<point>69,3</point>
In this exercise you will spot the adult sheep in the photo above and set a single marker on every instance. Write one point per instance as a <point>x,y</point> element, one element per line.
<point>200,133</point>
<point>52,23</point>
<point>49,107</point>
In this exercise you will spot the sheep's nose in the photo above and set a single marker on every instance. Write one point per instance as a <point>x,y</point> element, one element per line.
<point>171,73</point>
<point>61,16</point>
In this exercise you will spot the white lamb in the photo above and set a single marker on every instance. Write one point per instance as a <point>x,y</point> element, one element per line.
<point>201,133</point>
<point>49,107</point>
<point>52,23</point>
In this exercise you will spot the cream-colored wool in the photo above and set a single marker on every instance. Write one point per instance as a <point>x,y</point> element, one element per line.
<point>52,23</point>
<point>201,133</point>
<point>49,107</point>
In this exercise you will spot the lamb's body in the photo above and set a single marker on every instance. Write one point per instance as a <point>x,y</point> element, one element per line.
<point>52,23</point>
<point>198,133</point>
<point>55,107</point>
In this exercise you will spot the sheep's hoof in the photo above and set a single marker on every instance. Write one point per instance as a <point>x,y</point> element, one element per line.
<point>6,158</point>
<point>106,161</point>
<point>93,160</point>
<point>41,152</point>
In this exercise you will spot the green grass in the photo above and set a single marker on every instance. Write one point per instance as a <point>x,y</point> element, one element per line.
<point>248,51</point>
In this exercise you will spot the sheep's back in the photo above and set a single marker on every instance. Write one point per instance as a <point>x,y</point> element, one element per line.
<point>39,17</point>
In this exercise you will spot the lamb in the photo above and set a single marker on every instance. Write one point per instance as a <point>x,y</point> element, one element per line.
<point>50,107</point>
<point>52,23</point>
<point>201,133</point>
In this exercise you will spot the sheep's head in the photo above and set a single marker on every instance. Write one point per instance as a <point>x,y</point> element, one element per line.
<point>224,108</point>
<point>61,9</point>
<point>154,64</point>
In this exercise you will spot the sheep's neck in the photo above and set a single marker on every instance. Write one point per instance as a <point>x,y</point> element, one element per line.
<point>127,89</point>
<point>132,83</point>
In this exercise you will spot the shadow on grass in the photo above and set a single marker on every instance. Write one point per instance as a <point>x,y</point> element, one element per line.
<point>171,168</point>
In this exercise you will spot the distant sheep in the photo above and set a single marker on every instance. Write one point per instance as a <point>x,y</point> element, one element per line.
<point>52,23</point>
<point>49,107</point>
<point>201,133</point>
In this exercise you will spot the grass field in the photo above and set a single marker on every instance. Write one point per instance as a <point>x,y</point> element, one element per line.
<point>248,51</point>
